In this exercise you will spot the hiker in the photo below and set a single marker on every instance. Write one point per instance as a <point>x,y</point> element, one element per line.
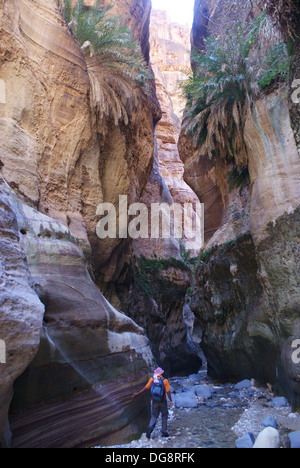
<point>159,389</point>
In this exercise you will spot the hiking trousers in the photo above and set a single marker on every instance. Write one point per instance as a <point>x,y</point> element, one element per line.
<point>157,408</point>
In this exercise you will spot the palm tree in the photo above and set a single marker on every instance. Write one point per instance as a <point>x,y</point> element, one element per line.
<point>116,67</point>
<point>218,94</point>
<point>228,75</point>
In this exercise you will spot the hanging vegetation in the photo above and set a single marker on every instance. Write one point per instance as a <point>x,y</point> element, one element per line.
<point>115,63</point>
<point>228,75</point>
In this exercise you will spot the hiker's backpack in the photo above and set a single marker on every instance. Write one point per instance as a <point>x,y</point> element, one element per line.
<point>157,390</point>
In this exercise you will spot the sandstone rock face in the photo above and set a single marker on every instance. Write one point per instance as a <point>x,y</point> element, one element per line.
<point>170,55</point>
<point>22,312</point>
<point>274,162</point>
<point>60,161</point>
<point>54,153</point>
<point>46,112</point>
<point>247,300</point>
<point>170,47</point>
<point>156,297</point>
<point>227,296</point>
<point>207,181</point>
<point>158,304</point>
<point>278,319</point>
<point>81,345</point>
<point>247,288</point>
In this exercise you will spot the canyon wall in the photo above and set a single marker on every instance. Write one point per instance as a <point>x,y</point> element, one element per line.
<point>152,290</point>
<point>65,343</point>
<point>71,354</point>
<point>247,279</point>
<point>76,343</point>
<point>170,60</point>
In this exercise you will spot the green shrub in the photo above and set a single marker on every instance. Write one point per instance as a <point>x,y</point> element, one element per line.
<point>147,277</point>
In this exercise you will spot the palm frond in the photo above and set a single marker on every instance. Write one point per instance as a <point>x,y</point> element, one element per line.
<point>116,67</point>
<point>223,85</point>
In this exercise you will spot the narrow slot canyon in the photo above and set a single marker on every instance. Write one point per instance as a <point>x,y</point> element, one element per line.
<point>118,124</point>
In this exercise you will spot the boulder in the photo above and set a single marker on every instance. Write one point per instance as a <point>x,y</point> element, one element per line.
<point>279,402</point>
<point>269,421</point>
<point>269,438</point>
<point>295,439</point>
<point>185,401</point>
<point>246,441</point>
<point>243,384</point>
<point>202,391</point>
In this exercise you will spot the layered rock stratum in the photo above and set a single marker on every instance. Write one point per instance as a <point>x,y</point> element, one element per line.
<point>66,345</point>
